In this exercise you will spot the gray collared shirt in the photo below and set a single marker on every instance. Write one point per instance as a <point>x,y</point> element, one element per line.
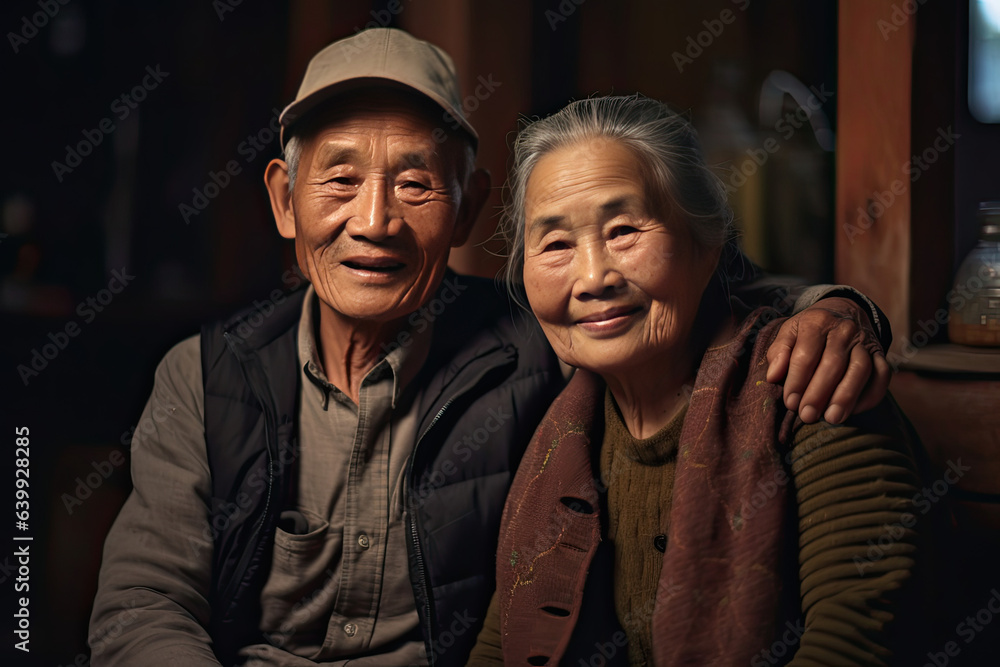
<point>339,584</point>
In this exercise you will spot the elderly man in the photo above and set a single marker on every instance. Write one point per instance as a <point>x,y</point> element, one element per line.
<point>327,487</point>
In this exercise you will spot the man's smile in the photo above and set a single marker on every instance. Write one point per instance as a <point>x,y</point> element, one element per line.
<point>374,263</point>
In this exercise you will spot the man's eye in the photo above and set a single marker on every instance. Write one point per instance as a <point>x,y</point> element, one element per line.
<point>414,185</point>
<point>622,230</point>
<point>341,180</point>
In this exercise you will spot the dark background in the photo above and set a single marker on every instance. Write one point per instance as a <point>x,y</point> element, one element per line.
<point>229,68</point>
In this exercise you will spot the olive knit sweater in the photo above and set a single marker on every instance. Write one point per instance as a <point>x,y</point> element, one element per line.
<point>639,476</point>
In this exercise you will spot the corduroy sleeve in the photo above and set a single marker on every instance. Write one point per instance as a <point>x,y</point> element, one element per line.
<point>856,488</point>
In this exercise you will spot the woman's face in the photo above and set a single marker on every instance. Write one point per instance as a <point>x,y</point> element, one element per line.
<point>613,285</point>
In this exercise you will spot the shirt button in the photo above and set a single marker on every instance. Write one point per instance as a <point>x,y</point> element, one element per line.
<point>363,540</point>
<point>350,629</point>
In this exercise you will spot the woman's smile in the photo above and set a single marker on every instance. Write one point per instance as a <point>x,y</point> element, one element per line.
<point>610,321</point>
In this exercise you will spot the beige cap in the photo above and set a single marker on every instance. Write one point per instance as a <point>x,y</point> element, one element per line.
<point>387,54</point>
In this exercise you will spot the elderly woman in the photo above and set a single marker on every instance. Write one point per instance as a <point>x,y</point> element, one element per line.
<point>670,510</point>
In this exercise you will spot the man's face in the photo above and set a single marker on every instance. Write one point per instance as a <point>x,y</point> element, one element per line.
<point>376,207</point>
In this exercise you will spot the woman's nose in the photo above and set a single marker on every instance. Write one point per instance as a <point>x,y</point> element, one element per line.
<point>596,273</point>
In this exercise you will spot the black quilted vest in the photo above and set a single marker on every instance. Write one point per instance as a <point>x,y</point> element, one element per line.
<point>251,375</point>
<point>487,381</point>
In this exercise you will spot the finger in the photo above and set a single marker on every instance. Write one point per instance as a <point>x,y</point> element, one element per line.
<point>847,393</point>
<point>802,363</point>
<point>780,352</point>
<point>877,386</point>
<point>823,383</point>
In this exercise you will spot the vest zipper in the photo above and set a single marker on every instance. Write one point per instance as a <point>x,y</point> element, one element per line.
<point>414,532</point>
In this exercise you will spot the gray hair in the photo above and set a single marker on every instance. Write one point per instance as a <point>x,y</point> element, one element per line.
<point>664,142</point>
<point>466,159</point>
<point>292,153</point>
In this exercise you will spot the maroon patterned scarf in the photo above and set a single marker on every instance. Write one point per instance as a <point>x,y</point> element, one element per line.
<point>721,593</point>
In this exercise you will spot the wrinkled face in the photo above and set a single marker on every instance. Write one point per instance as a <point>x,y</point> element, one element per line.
<point>376,202</point>
<point>613,285</point>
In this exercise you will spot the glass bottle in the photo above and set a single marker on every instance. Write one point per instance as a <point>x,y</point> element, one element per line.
<point>974,312</point>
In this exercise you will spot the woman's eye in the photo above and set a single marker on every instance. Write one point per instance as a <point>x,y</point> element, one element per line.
<point>341,180</point>
<point>414,185</point>
<point>555,245</point>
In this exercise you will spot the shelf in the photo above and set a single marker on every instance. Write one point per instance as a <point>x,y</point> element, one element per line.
<point>951,358</point>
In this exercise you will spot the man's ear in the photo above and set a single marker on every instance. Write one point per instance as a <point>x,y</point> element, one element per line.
<point>473,199</point>
<point>276,180</point>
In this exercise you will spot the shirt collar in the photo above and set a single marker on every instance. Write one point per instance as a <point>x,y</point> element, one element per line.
<point>403,357</point>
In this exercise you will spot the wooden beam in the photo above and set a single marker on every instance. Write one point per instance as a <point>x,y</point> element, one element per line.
<point>873,151</point>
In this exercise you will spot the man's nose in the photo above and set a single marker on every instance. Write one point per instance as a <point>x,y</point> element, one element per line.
<point>596,272</point>
<point>375,216</point>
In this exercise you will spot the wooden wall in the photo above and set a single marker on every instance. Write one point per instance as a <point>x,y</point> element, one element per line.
<point>899,76</point>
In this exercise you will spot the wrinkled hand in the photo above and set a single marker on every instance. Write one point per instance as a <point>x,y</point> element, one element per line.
<point>830,360</point>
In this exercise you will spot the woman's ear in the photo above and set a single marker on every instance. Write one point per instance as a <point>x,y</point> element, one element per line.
<point>279,190</point>
<point>474,197</point>
<point>714,256</point>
